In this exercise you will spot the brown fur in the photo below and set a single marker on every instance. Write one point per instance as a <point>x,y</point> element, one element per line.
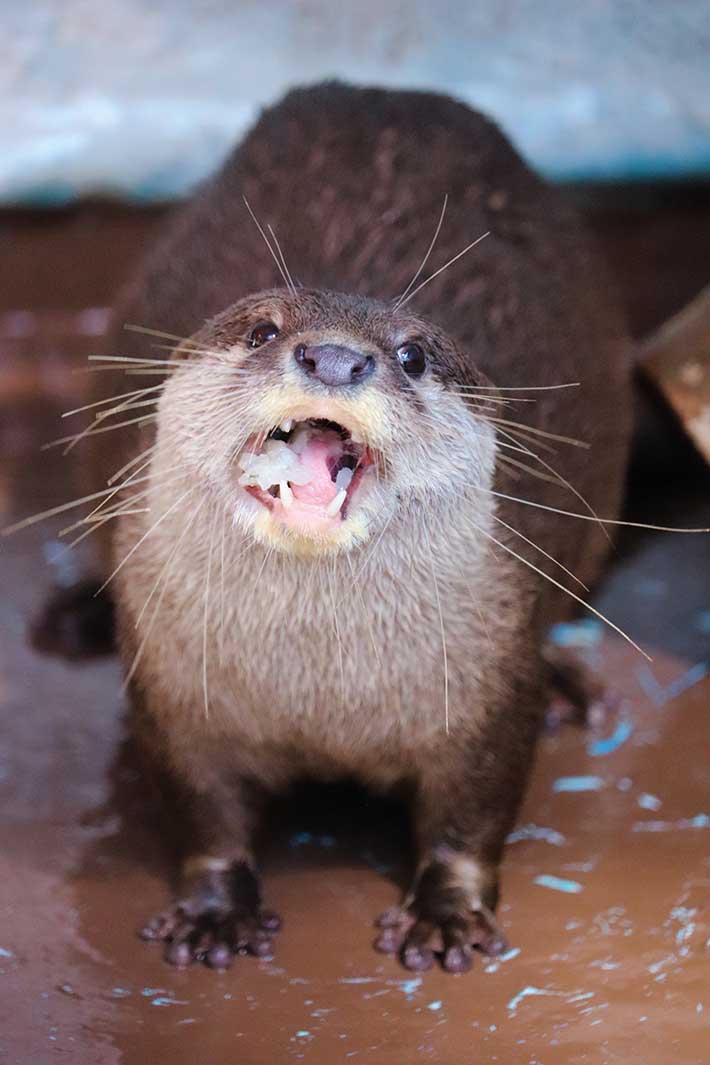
<point>331,661</point>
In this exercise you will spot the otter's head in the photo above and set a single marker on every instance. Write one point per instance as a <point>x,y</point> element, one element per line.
<point>316,415</point>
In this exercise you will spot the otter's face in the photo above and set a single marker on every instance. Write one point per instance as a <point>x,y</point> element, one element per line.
<point>315,416</point>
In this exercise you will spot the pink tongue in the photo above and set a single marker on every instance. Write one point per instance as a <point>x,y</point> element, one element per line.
<point>321,489</point>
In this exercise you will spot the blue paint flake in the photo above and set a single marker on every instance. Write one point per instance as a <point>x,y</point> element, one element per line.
<point>549,835</point>
<point>303,1033</point>
<point>659,695</point>
<point>303,839</point>
<point>684,823</point>
<point>6,953</point>
<point>578,784</point>
<point>557,883</point>
<point>612,743</point>
<point>649,802</point>
<point>435,1006</point>
<point>356,980</point>
<point>163,1000</point>
<point>120,992</point>
<point>584,633</point>
<point>527,992</point>
<point>300,839</point>
<point>408,987</point>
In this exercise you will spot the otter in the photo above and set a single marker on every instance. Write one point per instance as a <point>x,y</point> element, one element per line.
<point>318,525</point>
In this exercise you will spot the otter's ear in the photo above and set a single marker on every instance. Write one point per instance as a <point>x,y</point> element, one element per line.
<point>676,359</point>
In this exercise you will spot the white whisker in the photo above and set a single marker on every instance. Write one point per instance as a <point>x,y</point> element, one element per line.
<point>403,296</point>
<point>567,591</point>
<point>441,269</point>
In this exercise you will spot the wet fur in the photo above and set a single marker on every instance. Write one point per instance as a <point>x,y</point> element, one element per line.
<point>353,182</point>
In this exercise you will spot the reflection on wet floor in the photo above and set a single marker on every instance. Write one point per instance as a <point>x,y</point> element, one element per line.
<point>606,885</point>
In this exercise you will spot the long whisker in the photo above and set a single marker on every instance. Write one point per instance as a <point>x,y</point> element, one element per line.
<point>538,474</point>
<point>358,589</point>
<point>519,388</point>
<point>562,588</point>
<point>424,261</point>
<point>124,469</point>
<point>110,399</point>
<point>132,328</point>
<point>204,627</point>
<point>52,512</point>
<point>75,437</point>
<point>501,400</point>
<point>95,525</point>
<point>561,480</point>
<point>443,639</point>
<point>587,517</point>
<point>162,577</point>
<point>144,537</point>
<point>338,640</point>
<point>441,269</point>
<point>537,547</point>
<point>273,254</point>
<point>93,427</point>
<point>221,597</point>
<point>533,429</point>
<point>281,256</point>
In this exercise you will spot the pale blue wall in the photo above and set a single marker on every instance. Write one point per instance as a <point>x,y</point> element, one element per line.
<point>143,97</point>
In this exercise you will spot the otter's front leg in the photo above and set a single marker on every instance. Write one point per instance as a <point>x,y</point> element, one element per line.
<point>467,799</point>
<point>217,912</point>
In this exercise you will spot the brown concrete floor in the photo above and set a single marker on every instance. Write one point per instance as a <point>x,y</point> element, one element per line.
<point>609,965</point>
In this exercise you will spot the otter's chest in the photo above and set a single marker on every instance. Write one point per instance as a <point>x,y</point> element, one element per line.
<point>332,657</point>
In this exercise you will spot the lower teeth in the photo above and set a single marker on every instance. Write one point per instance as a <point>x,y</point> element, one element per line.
<point>285,494</point>
<point>335,504</point>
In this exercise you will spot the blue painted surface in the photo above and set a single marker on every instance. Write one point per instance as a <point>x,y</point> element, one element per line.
<point>558,883</point>
<point>117,103</point>
<point>619,736</point>
<point>578,784</point>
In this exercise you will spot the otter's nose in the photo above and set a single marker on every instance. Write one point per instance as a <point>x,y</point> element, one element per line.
<point>333,364</point>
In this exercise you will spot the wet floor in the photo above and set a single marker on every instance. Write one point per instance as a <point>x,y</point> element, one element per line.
<point>606,882</point>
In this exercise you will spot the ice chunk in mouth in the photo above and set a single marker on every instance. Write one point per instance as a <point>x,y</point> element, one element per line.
<point>306,471</point>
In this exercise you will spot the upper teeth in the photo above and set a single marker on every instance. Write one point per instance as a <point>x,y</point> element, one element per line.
<point>344,477</point>
<point>285,494</point>
<point>286,425</point>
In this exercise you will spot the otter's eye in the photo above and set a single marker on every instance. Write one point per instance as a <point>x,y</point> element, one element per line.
<point>412,359</point>
<point>262,334</point>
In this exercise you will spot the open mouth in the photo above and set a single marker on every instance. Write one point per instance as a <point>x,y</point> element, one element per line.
<point>306,472</point>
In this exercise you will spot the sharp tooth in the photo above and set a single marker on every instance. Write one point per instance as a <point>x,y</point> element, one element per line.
<point>335,504</point>
<point>344,477</point>
<point>285,494</point>
<point>286,425</point>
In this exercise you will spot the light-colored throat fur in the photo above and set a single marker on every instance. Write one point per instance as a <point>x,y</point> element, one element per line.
<point>338,656</point>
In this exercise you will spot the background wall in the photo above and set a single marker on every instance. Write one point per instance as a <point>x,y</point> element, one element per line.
<point>143,98</point>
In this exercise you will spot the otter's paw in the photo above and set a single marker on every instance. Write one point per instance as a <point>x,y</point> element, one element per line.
<point>218,916</point>
<point>575,695</point>
<point>75,622</point>
<point>439,925</point>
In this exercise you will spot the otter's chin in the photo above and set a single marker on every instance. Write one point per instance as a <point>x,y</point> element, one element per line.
<point>306,478</point>
<point>307,541</point>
